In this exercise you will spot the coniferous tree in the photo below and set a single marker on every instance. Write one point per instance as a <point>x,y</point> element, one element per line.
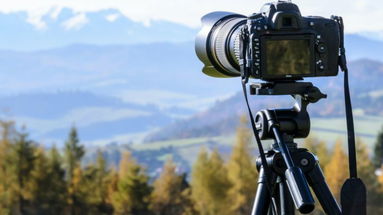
<point>167,196</point>
<point>21,164</point>
<point>380,180</point>
<point>112,187</point>
<point>7,195</point>
<point>210,184</point>
<point>102,181</point>
<point>131,196</point>
<point>336,171</point>
<point>77,194</point>
<point>72,155</point>
<point>38,179</point>
<point>57,184</point>
<point>242,173</point>
<point>95,186</point>
<point>188,204</point>
<point>378,150</point>
<point>48,183</point>
<point>366,171</point>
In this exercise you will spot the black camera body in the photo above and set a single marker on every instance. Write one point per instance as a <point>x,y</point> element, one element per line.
<point>281,45</point>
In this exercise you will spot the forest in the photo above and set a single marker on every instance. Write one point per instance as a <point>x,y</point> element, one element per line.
<point>38,180</point>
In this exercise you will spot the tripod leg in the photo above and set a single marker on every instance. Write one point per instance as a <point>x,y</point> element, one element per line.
<point>318,183</point>
<point>286,202</point>
<point>262,199</point>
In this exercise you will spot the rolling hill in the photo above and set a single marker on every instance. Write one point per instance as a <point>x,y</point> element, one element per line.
<point>37,86</point>
<point>49,75</point>
<point>48,116</point>
<point>223,117</point>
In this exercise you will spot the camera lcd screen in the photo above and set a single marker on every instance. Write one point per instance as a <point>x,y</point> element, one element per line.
<point>288,57</point>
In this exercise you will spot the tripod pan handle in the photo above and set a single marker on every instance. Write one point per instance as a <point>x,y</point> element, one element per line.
<point>299,190</point>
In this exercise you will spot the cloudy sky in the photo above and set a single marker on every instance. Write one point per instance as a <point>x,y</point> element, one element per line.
<point>360,15</point>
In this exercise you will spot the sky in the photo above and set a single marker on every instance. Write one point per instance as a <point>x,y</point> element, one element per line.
<point>359,15</point>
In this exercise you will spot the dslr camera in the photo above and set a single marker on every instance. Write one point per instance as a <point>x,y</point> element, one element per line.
<point>276,44</point>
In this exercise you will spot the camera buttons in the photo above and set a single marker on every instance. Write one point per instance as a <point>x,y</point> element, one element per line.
<point>320,65</point>
<point>321,48</point>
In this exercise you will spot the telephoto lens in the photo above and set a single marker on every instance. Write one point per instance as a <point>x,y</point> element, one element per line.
<point>278,44</point>
<point>217,44</point>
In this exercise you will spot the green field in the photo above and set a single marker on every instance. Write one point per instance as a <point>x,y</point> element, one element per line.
<point>328,130</point>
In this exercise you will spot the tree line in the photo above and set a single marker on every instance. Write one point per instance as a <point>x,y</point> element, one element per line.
<point>34,180</point>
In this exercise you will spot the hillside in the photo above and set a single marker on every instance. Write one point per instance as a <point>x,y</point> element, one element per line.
<point>165,75</point>
<point>48,116</point>
<point>223,117</point>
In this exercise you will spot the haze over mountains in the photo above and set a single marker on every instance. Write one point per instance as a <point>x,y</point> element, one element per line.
<point>66,27</point>
<point>223,117</point>
<point>112,77</point>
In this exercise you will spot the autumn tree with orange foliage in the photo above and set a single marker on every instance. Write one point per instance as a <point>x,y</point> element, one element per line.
<point>336,171</point>
<point>242,172</point>
<point>210,184</point>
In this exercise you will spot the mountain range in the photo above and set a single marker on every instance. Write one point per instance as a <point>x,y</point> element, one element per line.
<point>113,77</point>
<point>48,116</point>
<point>223,117</point>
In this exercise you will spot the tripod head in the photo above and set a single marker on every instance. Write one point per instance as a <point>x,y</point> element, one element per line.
<point>294,122</point>
<point>283,125</point>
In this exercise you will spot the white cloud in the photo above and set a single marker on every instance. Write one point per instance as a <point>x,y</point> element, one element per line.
<point>112,17</point>
<point>75,22</point>
<point>55,12</point>
<point>359,15</point>
<point>37,22</point>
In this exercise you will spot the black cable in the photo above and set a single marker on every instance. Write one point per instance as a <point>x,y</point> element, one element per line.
<point>244,79</point>
<point>261,150</point>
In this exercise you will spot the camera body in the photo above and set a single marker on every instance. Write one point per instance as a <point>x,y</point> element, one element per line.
<point>281,45</point>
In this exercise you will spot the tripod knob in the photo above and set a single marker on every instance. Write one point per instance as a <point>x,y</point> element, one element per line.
<point>262,125</point>
<point>314,94</point>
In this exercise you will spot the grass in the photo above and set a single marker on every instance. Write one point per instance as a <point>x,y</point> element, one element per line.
<point>184,143</point>
<point>328,130</point>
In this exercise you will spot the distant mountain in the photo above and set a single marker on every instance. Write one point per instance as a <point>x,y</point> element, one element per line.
<point>359,47</point>
<point>131,88</point>
<point>366,89</point>
<point>100,28</point>
<point>130,71</point>
<point>164,75</point>
<point>110,27</point>
<point>49,116</point>
<point>53,105</point>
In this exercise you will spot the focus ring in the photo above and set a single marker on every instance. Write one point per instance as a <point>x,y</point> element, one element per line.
<point>222,38</point>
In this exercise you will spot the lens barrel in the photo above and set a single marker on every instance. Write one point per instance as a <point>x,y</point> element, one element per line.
<point>217,44</point>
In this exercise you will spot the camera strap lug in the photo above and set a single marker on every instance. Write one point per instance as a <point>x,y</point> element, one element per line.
<point>243,52</point>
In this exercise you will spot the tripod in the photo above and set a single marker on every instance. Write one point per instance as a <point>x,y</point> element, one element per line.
<point>284,182</point>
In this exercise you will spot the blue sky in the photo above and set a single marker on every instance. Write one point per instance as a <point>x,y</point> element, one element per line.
<point>360,15</point>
